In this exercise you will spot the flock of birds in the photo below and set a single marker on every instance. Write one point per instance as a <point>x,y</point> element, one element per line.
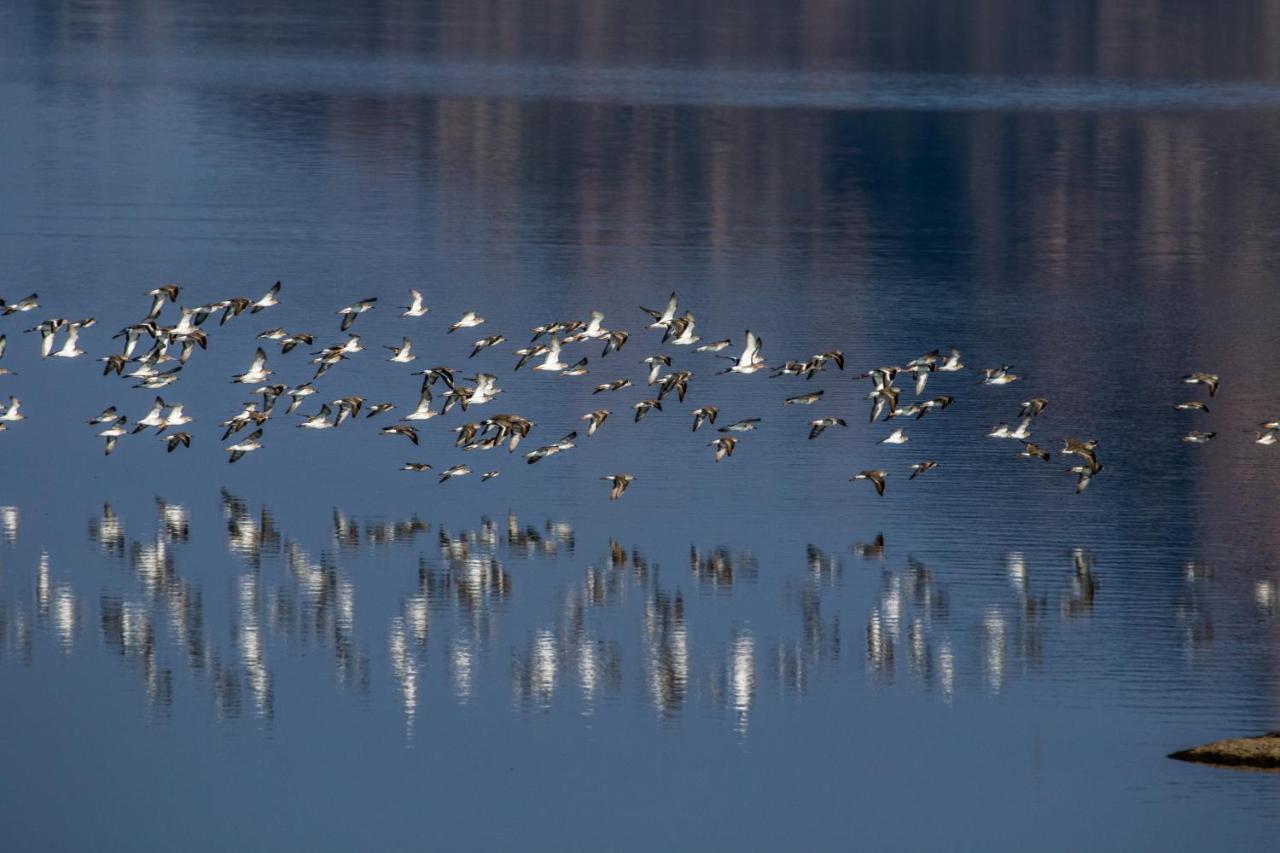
<point>160,364</point>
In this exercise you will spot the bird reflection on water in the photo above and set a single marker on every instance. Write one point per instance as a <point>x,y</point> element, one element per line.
<point>583,632</point>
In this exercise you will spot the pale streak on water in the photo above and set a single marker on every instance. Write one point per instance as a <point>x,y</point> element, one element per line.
<point>311,648</point>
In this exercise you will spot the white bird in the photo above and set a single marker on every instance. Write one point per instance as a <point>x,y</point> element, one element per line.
<point>415,308</point>
<point>27,303</point>
<point>320,420</point>
<point>750,361</point>
<point>297,395</point>
<point>816,427</point>
<point>186,323</point>
<point>402,354</point>
<point>662,319</point>
<point>455,471</point>
<point>12,414</point>
<point>257,371</point>
<point>656,363</point>
<point>351,312</point>
<point>108,416</point>
<point>681,331</point>
<point>594,329</point>
<point>952,362</point>
<point>47,329</point>
<point>112,433</point>
<point>246,445</point>
<point>160,380</point>
<point>486,389</point>
<point>998,376</point>
<point>153,418</point>
<point>69,346</point>
<point>269,299</point>
<point>898,436</point>
<point>423,411</point>
<point>469,320</point>
<point>175,417</point>
<point>552,362</point>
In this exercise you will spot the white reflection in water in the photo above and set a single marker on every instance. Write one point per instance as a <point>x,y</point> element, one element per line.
<point>994,650</point>
<point>8,524</point>
<point>879,645</point>
<point>588,675</point>
<point>666,653</point>
<point>135,628</point>
<point>108,531</point>
<point>176,520</point>
<point>416,616</point>
<point>891,607</point>
<point>545,668</point>
<point>346,596</point>
<point>742,678</point>
<point>151,562</point>
<point>1264,592</point>
<point>249,644</point>
<point>1016,566</point>
<point>44,588</point>
<point>918,650</point>
<point>404,667</point>
<point>64,615</point>
<point>462,665</point>
<point>462,589</point>
<point>946,671</point>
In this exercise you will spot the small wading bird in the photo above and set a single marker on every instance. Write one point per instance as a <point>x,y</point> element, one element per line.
<point>724,446</point>
<point>704,414</point>
<point>620,483</point>
<point>247,445</point>
<point>415,308</point>
<point>817,427</point>
<point>919,468</point>
<point>351,312</point>
<point>1209,380</point>
<point>595,418</point>
<point>876,478</point>
<point>455,471</point>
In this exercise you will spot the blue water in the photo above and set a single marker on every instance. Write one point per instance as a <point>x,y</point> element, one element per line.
<point>314,649</point>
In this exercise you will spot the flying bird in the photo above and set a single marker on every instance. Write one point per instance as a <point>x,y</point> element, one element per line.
<point>876,478</point>
<point>620,483</point>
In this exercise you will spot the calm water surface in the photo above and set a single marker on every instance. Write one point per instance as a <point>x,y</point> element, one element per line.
<point>314,649</point>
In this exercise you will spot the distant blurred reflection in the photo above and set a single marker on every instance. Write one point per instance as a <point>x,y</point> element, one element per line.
<point>470,617</point>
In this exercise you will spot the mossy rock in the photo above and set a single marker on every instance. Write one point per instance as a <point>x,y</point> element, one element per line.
<point>1262,752</point>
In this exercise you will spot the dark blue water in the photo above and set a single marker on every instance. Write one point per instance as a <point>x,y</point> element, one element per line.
<point>311,648</point>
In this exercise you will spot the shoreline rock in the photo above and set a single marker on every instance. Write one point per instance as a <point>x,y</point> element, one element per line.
<point>1261,752</point>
